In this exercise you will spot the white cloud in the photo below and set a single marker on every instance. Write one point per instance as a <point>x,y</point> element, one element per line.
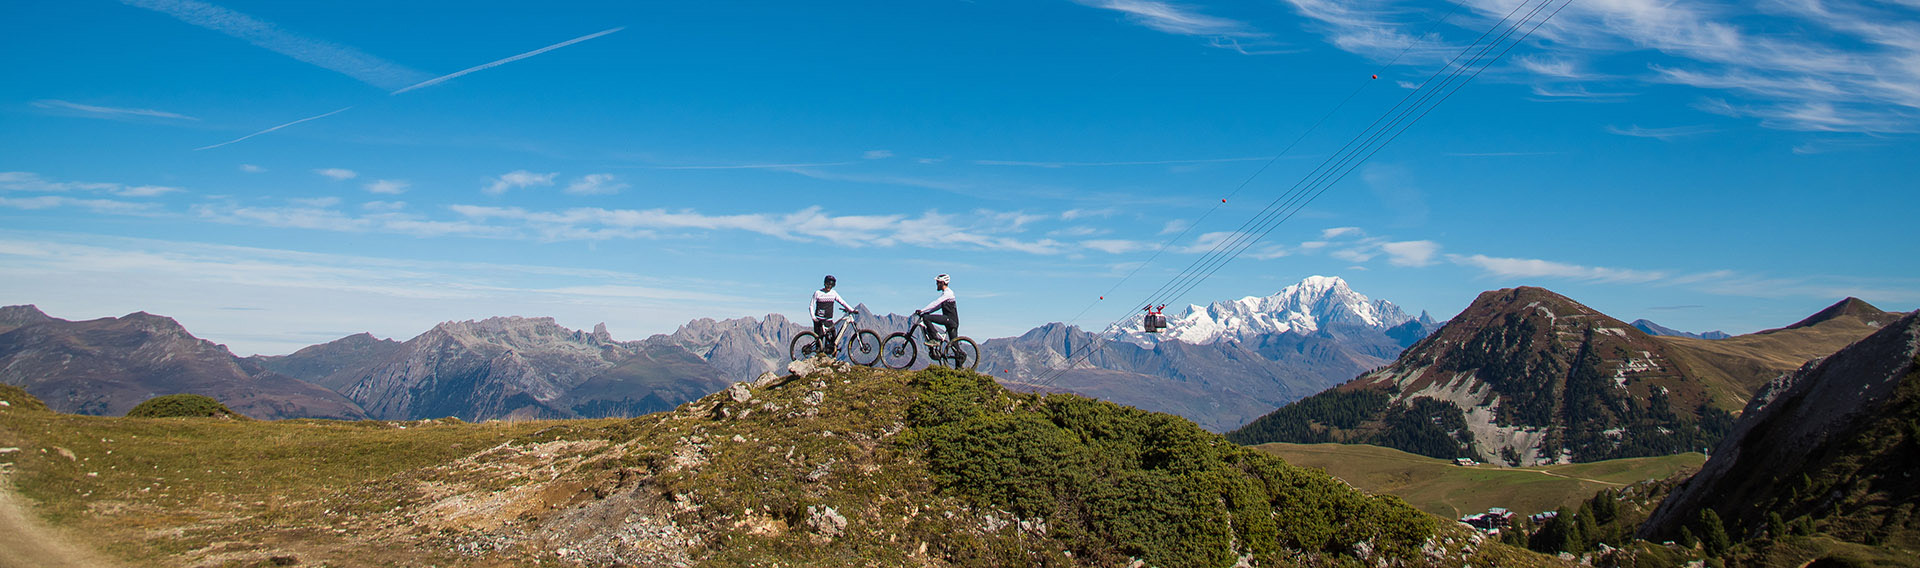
<point>384,206</point>
<point>1337,232</point>
<point>1536,268</point>
<point>1114,246</point>
<point>1662,134</point>
<point>388,186</point>
<point>252,169</point>
<point>29,181</point>
<point>1823,65</point>
<point>1410,253</point>
<point>315,201</point>
<point>338,58</point>
<point>109,112</point>
<point>877,154</point>
<point>96,205</point>
<point>310,298</point>
<point>1173,18</point>
<point>1175,226</point>
<point>595,184</point>
<point>518,179</point>
<point>337,174</point>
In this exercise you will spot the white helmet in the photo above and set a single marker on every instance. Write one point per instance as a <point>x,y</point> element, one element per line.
<point>943,279</point>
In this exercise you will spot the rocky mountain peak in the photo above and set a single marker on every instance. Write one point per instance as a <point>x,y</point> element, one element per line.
<point>1305,307</point>
<point>1849,307</point>
<point>14,317</point>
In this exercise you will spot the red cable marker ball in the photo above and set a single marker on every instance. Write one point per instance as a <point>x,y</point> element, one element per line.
<point>1376,76</point>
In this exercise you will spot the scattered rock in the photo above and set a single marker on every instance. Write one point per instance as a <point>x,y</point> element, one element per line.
<point>814,398</point>
<point>767,380</point>
<point>738,439</point>
<point>66,453</point>
<point>821,471</point>
<point>8,450</point>
<point>740,392</point>
<point>826,521</point>
<point>816,365</point>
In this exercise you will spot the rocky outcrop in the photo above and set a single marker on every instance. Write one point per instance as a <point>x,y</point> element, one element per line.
<point>335,364</point>
<point>109,365</point>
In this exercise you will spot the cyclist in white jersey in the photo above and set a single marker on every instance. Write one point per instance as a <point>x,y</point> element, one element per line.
<point>949,311</point>
<point>823,301</point>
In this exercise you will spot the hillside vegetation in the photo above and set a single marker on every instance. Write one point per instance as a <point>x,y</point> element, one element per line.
<point>1438,486</point>
<point>860,467</point>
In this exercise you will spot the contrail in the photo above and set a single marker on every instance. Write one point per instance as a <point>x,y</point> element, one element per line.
<point>339,58</point>
<point>316,117</point>
<point>451,76</point>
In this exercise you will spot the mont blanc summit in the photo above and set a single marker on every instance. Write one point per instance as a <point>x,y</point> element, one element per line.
<point>1314,303</point>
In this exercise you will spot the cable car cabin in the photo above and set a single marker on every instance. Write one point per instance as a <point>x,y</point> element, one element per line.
<point>1155,321</point>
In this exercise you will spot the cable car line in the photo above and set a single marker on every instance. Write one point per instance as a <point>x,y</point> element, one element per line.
<point>1323,178</point>
<point>1270,161</point>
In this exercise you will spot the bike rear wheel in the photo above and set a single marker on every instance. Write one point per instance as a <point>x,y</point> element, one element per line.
<point>899,351</point>
<point>865,348</point>
<point>805,345</point>
<point>966,353</point>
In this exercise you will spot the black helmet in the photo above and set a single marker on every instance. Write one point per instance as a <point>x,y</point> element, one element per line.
<point>830,280</point>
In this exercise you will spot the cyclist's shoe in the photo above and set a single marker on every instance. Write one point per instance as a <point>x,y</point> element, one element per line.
<point>933,342</point>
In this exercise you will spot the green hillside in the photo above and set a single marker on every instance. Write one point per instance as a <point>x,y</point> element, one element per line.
<point>1439,487</point>
<point>859,468</point>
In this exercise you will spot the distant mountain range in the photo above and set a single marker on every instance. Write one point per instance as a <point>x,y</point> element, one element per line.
<point>1657,329</point>
<point>1525,376</point>
<point>107,366</point>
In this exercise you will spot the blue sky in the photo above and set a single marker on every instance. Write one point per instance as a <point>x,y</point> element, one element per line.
<point>280,174</point>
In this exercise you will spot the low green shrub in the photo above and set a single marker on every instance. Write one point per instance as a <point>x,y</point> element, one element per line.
<point>182,406</point>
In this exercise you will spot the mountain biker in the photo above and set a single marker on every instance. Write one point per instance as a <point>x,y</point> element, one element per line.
<point>823,301</point>
<point>948,316</point>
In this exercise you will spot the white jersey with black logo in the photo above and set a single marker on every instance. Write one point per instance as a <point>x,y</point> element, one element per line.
<point>823,301</point>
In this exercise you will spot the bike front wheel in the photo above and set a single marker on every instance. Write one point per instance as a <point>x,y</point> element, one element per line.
<point>898,351</point>
<point>865,349</point>
<point>966,354</point>
<point>805,345</point>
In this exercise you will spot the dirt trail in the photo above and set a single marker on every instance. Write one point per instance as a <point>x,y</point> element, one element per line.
<point>30,544</point>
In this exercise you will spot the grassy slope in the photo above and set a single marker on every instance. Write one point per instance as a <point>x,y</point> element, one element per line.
<point>1736,367</point>
<point>1441,488</point>
<point>196,491</point>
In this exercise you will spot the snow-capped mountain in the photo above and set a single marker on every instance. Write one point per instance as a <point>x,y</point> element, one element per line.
<point>1316,302</point>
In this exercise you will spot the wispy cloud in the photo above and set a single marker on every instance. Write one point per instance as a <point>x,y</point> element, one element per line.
<point>252,169</point>
<point>1821,65</point>
<point>877,154</point>
<point>596,184</point>
<point>1173,18</point>
<point>1537,268</point>
<point>337,174</point>
<point>314,117</point>
<point>108,112</point>
<point>1034,164</point>
<point>322,216</point>
<point>518,179</point>
<point>29,181</point>
<point>315,201</point>
<point>1666,134</point>
<point>1410,253</point>
<point>766,166</point>
<point>338,58</point>
<point>107,206</point>
<point>497,63</point>
<point>388,186</point>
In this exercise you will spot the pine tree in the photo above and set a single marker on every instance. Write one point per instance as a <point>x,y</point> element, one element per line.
<point>1713,534</point>
<point>1776,526</point>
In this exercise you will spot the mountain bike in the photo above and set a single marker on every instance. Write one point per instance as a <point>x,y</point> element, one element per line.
<point>902,349</point>
<point>860,346</point>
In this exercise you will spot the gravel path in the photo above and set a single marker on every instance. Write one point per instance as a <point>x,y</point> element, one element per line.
<point>30,544</point>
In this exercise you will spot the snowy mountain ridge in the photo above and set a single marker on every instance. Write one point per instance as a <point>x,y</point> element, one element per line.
<point>1315,302</point>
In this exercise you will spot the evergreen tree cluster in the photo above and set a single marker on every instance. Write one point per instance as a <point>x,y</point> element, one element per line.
<point>1312,420</point>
